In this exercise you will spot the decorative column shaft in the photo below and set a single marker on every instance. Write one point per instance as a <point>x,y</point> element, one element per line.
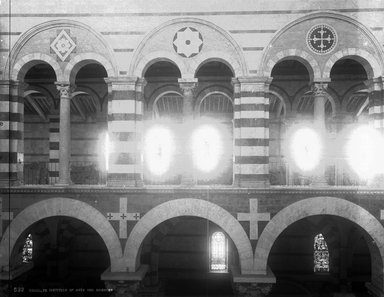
<point>187,86</point>
<point>11,132</point>
<point>319,96</point>
<point>54,145</point>
<point>65,132</point>
<point>251,132</point>
<point>376,103</point>
<point>125,131</point>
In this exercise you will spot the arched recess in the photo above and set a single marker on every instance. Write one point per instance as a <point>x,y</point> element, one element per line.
<point>367,60</point>
<point>330,95</point>
<point>189,207</point>
<point>283,98</point>
<point>20,46</point>
<point>21,67</point>
<point>225,48</point>
<point>62,207</point>
<point>292,54</point>
<point>212,90</point>
<point>322,206</point>
<point>223,57</point>
<point>83,59</point>
<point>145,62</point>
<point>350,28</point>
<point>158,93</point>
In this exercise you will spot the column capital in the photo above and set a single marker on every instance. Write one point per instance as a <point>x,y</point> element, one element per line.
<point>126,83</point>
<point>319,88</point>
<point>252,83</point>
<point>140,84</point>
<point>375,84</point>
<point>65,89</point>
<point>187,85</point>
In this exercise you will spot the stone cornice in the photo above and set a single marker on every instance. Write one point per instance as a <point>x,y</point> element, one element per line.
<point>196,190</point>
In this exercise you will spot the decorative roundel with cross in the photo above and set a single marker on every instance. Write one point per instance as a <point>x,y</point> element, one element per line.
<point>188,42</point>
<point>321,39</point>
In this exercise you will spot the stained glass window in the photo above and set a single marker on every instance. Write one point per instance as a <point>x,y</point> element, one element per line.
<point>27,249</point>
<point>218,253</point>
<point>321,254</point>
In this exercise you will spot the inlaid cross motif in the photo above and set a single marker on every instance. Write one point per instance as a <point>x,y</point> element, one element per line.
<point>321,39</point>
<point>123,217</point>
<point>4,215</point>
<point>254,218</point>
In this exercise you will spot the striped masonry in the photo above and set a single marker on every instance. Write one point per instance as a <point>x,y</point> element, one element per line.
<point>251,133</point>
<point>11,132</point>
<point>54,142</point>
<point>124,128</point>
<point>376,103</point>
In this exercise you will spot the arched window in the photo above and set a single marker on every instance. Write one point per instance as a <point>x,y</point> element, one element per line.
<point>218,253</point>
<point>27,249</point>
<point>320,254</point>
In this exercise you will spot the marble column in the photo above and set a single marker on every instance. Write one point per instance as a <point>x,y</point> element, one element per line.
<point>319,96</point>
<point>11,132</point>
<point>187,86</point>
<point>64,89</point>
<point>251,131</point>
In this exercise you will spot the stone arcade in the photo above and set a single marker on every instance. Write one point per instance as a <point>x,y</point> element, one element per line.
<point>82,84</point>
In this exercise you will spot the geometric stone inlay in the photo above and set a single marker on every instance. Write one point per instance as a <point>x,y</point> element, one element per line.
<point>63,45</point>
<point>187,42</point>
<point>321,39</point>
<point>123,217</point>
<point>254,218</point>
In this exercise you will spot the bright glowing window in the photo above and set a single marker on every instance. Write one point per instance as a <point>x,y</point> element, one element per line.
<point>218,253</point>
<point>320,254</point>
<point>28,249</point>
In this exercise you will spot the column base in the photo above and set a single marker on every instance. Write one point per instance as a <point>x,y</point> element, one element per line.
<point>242,182</point>
<point>251,289</point>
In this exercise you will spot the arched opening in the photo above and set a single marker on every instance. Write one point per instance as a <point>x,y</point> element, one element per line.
<point>178,254</point>
<point>348,77</point>
<point>290,76</point>
<point>214,108</point>
<point>299,256</point>
<point>40,114</point>
<point>164,112</point>
<point>89,125</point>
<point>67,254</point>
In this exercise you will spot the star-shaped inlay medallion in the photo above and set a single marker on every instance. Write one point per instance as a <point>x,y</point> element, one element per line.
<point>188,42</point>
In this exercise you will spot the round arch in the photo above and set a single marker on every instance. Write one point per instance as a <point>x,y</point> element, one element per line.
<point>321,206</point>
<point>209,91</point>
<point>21,67</point>
<point>145,62</point>
<point>367,60</point>
<point>80,60</point>
<point>62,207</point>
<point>330,94</point>
<point>54,24</point>
<point>222,57</point>
<point>235,53</point>
<point>348,94</point>
<point>283,97</point>
<point>189,207</point>
<point>158,93</point>
<point>292,54</point>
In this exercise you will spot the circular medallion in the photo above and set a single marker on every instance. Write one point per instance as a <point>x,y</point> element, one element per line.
<point>187,42</point>
<point>321,39</point>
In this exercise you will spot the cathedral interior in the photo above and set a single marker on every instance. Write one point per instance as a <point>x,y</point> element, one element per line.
<point>192,150</point>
